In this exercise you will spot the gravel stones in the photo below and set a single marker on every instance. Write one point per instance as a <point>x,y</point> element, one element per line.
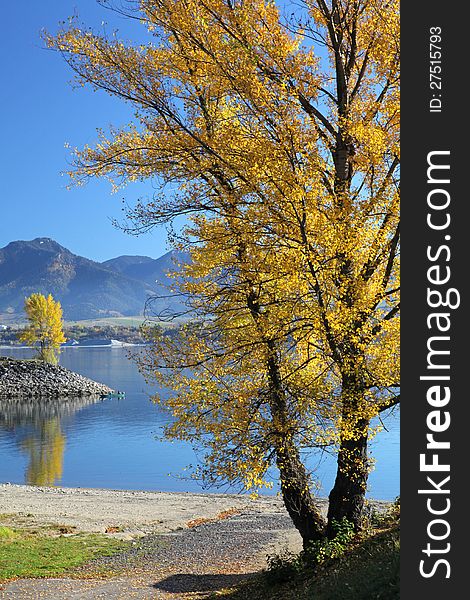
<point>37,379</point>
<point>237,539</point>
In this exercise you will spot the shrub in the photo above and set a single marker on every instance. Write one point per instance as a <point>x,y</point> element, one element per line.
<point>287,565</point>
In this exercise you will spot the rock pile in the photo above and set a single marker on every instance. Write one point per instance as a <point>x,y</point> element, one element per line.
<point>36,379</point>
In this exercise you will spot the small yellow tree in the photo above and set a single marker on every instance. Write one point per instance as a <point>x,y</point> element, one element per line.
<point>45,326</point>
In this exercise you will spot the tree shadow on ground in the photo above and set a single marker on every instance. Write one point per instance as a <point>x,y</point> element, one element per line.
<point>190,582</point>
<point>371,569</point>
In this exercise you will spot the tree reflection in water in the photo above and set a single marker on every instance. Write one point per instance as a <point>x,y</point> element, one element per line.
<point>38,425</point>
<point>46,454</point>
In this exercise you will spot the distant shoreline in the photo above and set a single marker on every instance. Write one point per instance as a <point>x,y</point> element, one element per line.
<point>64,347</point>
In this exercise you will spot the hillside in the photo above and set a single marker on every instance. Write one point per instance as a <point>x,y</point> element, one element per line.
<point>151,270</point>
<point>85,288</point>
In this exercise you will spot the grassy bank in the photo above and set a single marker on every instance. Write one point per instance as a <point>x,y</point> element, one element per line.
<point>369,570</point>
<point>49,551</point>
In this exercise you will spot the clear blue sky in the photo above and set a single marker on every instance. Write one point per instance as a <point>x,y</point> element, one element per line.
<point>40,113</point>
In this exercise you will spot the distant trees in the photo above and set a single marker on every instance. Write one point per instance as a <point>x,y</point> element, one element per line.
<point>123,333</point>
<point>277,137</point>
<point>45,326</point>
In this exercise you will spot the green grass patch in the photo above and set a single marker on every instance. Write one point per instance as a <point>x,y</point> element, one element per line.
<point>6,533</point>
<point>370,572</point>
<point>38,553</point>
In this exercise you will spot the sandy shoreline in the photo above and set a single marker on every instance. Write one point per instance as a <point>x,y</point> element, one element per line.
<point>134,513</point>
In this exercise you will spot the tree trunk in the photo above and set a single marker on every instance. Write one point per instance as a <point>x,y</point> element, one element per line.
<point>346,499</point>
<point>298,500</point>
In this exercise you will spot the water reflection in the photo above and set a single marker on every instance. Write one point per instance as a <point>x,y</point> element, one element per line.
<point>38,426</point>
<point>117,443</point>
<point>46,454</point>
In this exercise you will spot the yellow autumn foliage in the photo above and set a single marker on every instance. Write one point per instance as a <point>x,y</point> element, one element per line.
<point>44,327</point>
<point>277,137</point>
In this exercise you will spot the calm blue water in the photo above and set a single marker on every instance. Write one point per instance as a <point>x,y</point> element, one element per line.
<point>115,443</point>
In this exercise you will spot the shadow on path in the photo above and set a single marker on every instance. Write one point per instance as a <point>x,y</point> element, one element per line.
<point>190,582</point>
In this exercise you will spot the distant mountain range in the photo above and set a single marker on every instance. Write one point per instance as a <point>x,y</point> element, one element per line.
<point>85,288</point>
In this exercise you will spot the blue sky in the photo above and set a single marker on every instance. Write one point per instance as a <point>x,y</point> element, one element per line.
<point>40,113</point>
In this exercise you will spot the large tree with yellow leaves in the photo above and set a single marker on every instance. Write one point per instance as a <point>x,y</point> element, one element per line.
<point>278,137</point>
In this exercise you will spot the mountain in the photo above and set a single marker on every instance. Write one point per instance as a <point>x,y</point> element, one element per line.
<point>85,288</point>
<point>151,270</point>
<point>154,272</point>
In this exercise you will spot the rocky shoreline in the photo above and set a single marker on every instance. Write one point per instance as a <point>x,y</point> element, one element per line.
<point>36,379</point>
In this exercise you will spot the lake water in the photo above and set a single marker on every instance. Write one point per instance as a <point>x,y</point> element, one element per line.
<point>116,443</point>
